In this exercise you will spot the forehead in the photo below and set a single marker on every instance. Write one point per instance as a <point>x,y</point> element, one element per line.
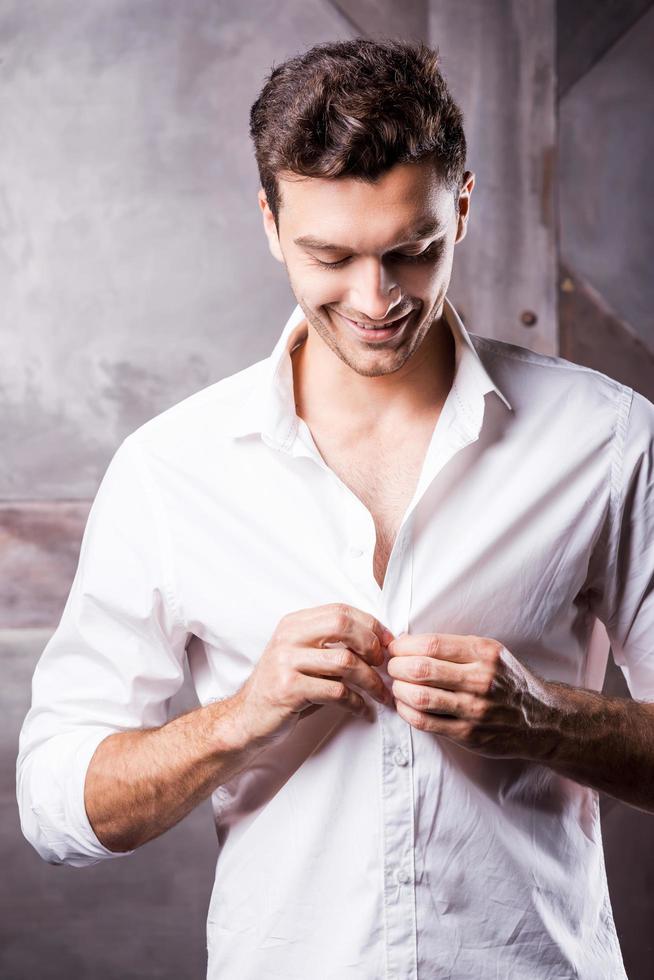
<point>349,210</point>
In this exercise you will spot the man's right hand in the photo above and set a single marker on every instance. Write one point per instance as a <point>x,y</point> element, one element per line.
<point>296,674</point>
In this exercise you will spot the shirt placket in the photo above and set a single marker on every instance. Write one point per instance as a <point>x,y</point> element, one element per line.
<point>392,606</point>
<point>396,779</point>
<point>397,748</point>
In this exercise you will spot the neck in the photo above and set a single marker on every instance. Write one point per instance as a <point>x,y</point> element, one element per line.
<point>330,391</point>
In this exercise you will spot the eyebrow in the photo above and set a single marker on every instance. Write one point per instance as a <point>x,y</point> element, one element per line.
<point>422,229</point>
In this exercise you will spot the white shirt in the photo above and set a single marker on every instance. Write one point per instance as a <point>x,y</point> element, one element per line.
<point>365,849</point>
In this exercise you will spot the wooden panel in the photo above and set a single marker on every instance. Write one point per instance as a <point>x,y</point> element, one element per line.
<point>498,57</point>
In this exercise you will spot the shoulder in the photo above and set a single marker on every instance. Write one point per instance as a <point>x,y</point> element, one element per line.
<point>532,381</point>
<point>200,422</point>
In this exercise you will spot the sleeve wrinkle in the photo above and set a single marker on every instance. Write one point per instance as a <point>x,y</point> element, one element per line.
<point>162,530</point>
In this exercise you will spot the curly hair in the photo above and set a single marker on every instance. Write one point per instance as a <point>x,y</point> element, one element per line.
<point>356,108</point>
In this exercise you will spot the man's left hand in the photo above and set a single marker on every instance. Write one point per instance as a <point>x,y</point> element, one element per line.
<point>472,690</point>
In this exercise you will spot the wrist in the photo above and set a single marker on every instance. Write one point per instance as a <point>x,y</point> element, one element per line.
<point>571,721</point>
<point>553,717</point>
<point>229,729</point>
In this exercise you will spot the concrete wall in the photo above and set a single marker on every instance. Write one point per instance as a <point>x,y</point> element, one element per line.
<point>605,206</point>
<point>606,142</point>
<point>606,149</point>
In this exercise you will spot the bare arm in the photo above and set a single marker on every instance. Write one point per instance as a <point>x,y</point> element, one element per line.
<point>141,783</point>
<point>603,742</point>
<point>472,690</point>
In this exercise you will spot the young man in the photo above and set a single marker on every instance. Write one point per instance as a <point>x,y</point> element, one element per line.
<point>388,515</point>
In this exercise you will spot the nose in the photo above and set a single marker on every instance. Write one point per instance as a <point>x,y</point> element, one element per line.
<point>375,292</point>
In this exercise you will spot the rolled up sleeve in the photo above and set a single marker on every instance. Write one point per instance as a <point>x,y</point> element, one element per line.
<point>112,664</point>
<point>624,595</point>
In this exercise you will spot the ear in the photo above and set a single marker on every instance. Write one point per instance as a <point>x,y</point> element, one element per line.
<point>269,227</point>
<point>464,205</point>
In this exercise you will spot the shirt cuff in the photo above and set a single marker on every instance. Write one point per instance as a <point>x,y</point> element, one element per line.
<point>62,763</point>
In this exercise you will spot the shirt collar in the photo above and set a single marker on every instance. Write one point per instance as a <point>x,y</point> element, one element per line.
<point>269,408</point>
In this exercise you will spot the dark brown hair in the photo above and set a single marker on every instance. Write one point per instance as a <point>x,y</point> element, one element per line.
<point>356,108</point>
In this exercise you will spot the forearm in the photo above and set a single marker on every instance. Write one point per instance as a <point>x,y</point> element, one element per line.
<point>141,783</point>
<point>603,742</point>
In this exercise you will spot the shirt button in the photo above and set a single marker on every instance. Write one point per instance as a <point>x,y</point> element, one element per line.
<point>400,758</point>
<point>356,552</point>
<point>403,877</point>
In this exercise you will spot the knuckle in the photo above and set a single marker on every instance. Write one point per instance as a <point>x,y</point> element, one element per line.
<point>484,681</point>
<point>422,670</point>
<point>342,617</point>
<point>375,628</point>
<point>339,691</point>
<point>422,699</point>
<point>478,709</point>
<point>344,658</point>
<point>491,650</point>
<point>433,645</point>
<point>421,722</point>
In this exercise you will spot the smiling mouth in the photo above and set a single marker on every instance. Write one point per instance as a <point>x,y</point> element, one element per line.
<point>378,334</point>
<point>366,325</point>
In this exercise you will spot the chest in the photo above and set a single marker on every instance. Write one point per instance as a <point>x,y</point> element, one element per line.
<point>383,474</point>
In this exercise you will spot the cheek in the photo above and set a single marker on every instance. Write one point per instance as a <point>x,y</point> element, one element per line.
<point>316,289</point>
<point>328,290</point>
<point>423,279</point>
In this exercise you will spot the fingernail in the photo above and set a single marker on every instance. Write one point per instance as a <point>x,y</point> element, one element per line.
<point>388,636</point>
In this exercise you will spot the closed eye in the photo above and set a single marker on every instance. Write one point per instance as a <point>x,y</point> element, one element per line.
<point>423,256</point>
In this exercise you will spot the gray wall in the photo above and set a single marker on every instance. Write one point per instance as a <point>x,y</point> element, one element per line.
<point>605,147</point>
<point>130,228</point>
<point>129,918</point>
<point>606,151</point>
<point>134,271</point>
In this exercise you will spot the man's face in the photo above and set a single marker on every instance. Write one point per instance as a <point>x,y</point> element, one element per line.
<point>356,251</point>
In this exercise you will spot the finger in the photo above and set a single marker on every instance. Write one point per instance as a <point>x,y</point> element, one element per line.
<point>427,670</point>
<point>342,663</point>
<point>455,729</point>
<point>450,704</point>
<point>442,646</point>
<point>431,700</point>
<point>332,691</point>
<point>339,622</point>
